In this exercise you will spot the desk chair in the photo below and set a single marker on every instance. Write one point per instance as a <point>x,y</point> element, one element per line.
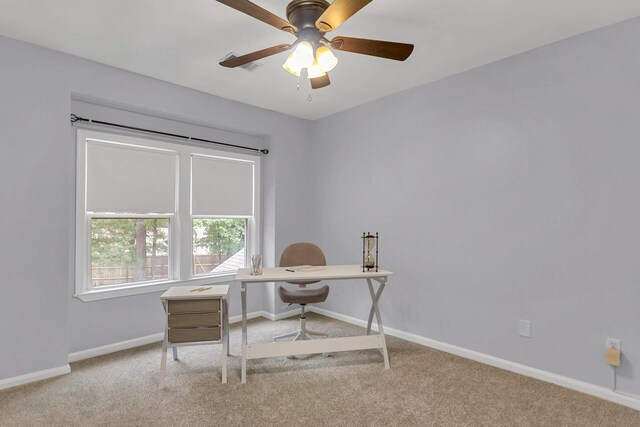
<point>302,254</point>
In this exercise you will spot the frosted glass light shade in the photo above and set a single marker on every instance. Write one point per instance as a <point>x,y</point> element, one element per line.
<point>315,71</point>
<point>302,56</point>
<point>291,67</point>
<point>326,59</point>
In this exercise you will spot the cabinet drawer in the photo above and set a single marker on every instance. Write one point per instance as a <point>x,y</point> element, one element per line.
<point>177,335</point>
<point>194,306</point>
<point>194,320</point>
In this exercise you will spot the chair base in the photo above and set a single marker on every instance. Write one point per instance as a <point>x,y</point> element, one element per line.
<point>302,333</point>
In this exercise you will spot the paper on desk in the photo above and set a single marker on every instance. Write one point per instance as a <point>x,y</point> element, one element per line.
<point>303,268</point>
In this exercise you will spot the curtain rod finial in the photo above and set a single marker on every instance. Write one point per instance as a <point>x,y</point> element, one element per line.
<point>264,151</point>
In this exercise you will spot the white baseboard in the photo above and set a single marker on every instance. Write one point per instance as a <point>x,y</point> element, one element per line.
<point>137,342</point>
<point>112,348</point>
<point>265,314</point>
<point>539,374</point>
<point>34,376</point>
<point>252,315</point>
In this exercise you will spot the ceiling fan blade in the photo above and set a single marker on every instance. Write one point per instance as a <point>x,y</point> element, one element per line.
<point>338,12</point>
<point>254,56</point>
<point>252,9</point>
<point>382,49</point>
<point>320,82</point>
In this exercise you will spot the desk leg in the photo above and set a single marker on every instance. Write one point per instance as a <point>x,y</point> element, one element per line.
<point>163,360</point>
<point>375,296</point>
<point>225,341</point>
<point>243,295</point>
<point>227,326</point>
<point>375,303</point>
<point>175,353</point>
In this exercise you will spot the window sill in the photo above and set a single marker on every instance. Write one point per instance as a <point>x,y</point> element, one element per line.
<point>147,288</point>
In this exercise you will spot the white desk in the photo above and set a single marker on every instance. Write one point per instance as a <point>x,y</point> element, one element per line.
<point>329,345</point>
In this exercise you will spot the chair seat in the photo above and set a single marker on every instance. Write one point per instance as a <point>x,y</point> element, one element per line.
<point>303,296</point>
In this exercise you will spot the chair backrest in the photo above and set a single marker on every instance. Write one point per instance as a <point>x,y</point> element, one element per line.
<point>302,254</point>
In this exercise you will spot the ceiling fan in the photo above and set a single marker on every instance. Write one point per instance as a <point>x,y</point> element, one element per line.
<point>309,21</point>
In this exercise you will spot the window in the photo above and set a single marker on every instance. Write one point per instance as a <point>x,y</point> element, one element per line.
<point>219,245</point>
<point>128,250</point>
<point>152,214</point>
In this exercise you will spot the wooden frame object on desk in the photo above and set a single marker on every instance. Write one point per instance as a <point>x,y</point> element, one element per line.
<point>195,315</point>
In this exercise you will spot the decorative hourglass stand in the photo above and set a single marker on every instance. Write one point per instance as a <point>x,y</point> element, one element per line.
<point>369,241</point>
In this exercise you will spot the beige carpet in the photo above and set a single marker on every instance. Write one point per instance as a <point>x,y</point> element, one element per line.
<point>423,387</point>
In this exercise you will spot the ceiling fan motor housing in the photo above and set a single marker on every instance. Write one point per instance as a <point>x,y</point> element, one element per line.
<point>304,13</point>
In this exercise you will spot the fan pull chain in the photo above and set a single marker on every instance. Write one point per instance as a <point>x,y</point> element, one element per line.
<point>309,97</point>
<point>298,88</point>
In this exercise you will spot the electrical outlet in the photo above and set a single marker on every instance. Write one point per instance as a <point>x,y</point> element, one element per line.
<point>612,352</point>
<point>524,328</point>
<point>613,343</point>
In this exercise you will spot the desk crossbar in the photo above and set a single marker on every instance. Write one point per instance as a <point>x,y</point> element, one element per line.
<point>327,345</point>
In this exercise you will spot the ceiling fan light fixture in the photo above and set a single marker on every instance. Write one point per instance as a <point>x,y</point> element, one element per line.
<point>302,56</point>
<point>291,66</point>
<point>312,53</point>
<point>326,59</point>
<point>315,71</point>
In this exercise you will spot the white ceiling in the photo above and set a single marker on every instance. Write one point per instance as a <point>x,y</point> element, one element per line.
<point>182,41</point>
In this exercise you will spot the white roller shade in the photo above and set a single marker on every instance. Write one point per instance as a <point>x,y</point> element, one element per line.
<point>221,187</point>
<point>126,178</point>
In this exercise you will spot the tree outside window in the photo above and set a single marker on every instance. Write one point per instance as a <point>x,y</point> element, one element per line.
<point>215,241</point>
<point>125,250</point>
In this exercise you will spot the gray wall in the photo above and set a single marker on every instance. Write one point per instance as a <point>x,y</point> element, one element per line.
<point>42,322</point>
<point>507,192</point>
<point>504,193</point>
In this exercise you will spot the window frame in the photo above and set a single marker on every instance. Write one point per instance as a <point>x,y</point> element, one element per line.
<point>180,222</point>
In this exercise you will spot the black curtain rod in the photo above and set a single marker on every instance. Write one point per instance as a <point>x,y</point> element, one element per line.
<point>75,118</point>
